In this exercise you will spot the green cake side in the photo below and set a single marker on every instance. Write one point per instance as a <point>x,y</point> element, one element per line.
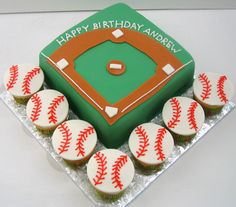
<point>114,88</point>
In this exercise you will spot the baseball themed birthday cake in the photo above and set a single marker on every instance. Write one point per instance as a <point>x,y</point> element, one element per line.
<point>106,79</point>
<point>116,69</point>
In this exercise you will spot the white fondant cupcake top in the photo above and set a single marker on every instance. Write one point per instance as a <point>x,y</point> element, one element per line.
<point>23,80</point>
<point>110,171</point>
<point>184,116</point>
<point>151,143</point>
<point>47,108</point>
<point>74,139</point>
<point>213,89</point>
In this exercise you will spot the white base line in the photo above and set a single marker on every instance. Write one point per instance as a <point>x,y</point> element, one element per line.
<point>73,82</point>
<point>155,87</point>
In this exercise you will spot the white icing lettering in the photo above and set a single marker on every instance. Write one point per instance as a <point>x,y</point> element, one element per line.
<point>73,32</point>
<point>126,24</point>
<point>133,26</point>
<point>111,22</point>
<point>85,28</point>
<point>78,29</point>
<point>105,24</point>
<point>154,34</point>
<point>95,26</point>
<point>68,36</point>
<point>175,50</point>
<point>169,44</point>
<point>61,40</point>
<point>164,41</point>
<point>119,24</point>
<point>147,31</point>
<point>159,38</point>
<point>139,26</point>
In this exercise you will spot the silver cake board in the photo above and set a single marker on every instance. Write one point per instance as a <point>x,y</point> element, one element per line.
<point>142,178</point>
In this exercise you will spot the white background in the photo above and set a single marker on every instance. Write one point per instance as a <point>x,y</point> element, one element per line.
<point>205,176</point>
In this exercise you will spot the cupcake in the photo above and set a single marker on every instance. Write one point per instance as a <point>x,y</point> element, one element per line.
<point>47,109</point>
<point>22,81</point>
<point>184,117</point>
<point>74,141</point>
<point>151,144</point>
<point>212,91</point>
<point>110,172</point>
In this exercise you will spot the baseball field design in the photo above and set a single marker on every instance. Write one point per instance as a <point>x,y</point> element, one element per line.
<point>82,63</point>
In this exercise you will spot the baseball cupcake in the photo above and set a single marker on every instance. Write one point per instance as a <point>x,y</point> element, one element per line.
<point>22,81</point>
<point>212,91</point>
<point>74,141</point>
<point>151,144</point>
<point>47,109</point>
<point>183,116</point>
<point>110,172</point>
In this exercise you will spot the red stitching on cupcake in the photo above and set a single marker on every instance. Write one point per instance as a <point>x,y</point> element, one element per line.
<point>116,168</point>
<point>220,89</point>
<point>36,100</point>
<point>67,136</point>
<point>13,76</point>
<point>101,168</point>
<point>82,137</point>
<point>158,147</point>
<point>53,107</point>
<point>206,86</point>
<point>143,141</point>
<point>191,116</point>
<point>27,80</point>
<point>176,111</point>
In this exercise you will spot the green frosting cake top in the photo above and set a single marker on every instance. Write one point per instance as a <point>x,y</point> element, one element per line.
<point>117,69</point>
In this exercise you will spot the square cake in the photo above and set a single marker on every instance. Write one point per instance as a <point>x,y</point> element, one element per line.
<point>116,69</point>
